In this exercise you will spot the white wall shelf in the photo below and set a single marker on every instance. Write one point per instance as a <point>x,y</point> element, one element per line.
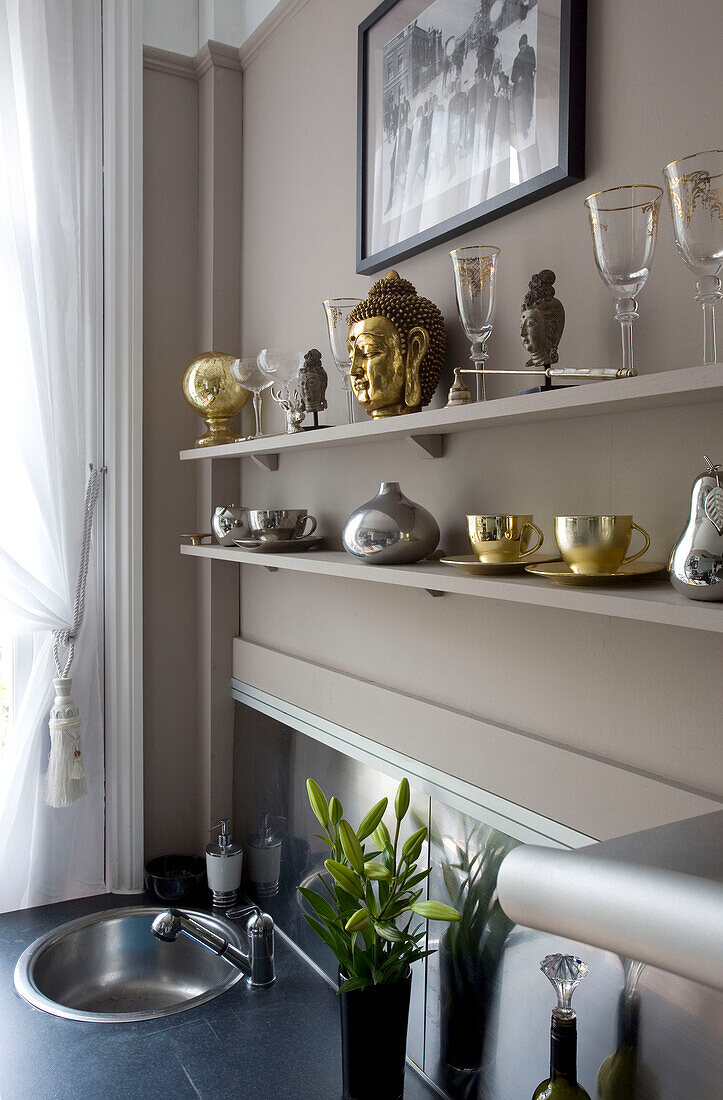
<point>426,430</point>
<point>653,601</point>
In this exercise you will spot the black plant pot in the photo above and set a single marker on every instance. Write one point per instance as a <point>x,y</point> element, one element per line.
<point>374,1040</point>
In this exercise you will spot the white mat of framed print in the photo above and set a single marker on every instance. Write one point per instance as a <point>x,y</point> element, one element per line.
<point>467,109</point>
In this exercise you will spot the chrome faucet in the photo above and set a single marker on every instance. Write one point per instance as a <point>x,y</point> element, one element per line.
<point>258,963</point>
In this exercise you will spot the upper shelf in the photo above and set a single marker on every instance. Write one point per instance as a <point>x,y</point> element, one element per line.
<point>646,601</point>
<point>427,429</point>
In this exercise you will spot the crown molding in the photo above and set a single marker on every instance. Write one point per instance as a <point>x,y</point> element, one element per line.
<point>212,54</point>
<point>218,54</point>
<point>284,10</point>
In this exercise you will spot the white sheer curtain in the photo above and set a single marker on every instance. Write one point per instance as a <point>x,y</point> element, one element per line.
<point>50,380</point>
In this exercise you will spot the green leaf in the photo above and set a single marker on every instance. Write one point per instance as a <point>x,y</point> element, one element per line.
<point>352,848</point>
<point>381,837</point>
<point>401,802</point>
<point>324,839</point>
<point>328,938</point>
<point>369,822</point>
<point>389,931</point>
<point>351,984</point>
<point>345,877</point>
<point>416,879</point>
<point>319,805</point>
<point>336,811</point>
<point>376,871</point>
<point>435,910</point>
<point>319,904</point>
<point>357,921</point>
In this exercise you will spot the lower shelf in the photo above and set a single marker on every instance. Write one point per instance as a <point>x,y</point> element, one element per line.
<point>647,601</point>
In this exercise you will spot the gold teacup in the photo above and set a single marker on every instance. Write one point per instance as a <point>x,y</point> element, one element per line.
<point>503,538</point>
<point>597,544</point>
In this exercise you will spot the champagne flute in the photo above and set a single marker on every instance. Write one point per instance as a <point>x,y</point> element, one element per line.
<point>475,268</point>
<point>624,228</point>
<point>337,310</point>
<point>249,375</point>
<point>695,195</point>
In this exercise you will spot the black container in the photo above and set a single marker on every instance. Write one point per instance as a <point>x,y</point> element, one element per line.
<point>176,879</point>
<point>374,1040</point>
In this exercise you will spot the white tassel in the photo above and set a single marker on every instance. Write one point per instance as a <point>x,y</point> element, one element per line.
<point>65,780</point>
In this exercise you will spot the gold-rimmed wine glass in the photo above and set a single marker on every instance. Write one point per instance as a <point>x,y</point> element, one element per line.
<point>475,268</point>
<point>337,310</point>
<point>695,194</point>
<point>624,229</point>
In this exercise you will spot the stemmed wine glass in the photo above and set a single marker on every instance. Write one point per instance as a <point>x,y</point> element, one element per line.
<point>337,310</point>
<point>249,375</point>
<point>695,195</point>
<point>624,228</point>
<point>475,268</point>
<point>281,368</point>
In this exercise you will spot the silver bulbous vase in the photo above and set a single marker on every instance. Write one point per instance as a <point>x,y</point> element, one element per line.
<point>390,529</point>
<point>696,560</point>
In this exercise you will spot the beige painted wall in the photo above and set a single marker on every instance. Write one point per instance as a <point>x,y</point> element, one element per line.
<point>644,696</point>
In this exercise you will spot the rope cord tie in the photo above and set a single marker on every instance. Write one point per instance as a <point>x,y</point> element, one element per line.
<point>65,780</point>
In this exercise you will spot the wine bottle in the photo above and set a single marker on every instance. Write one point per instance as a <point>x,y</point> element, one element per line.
<point>565,972</point>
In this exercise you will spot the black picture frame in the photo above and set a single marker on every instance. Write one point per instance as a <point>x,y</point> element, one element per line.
<point>570,167</point>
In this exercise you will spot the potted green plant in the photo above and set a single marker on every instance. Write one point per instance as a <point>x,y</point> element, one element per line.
<point>367,917</point>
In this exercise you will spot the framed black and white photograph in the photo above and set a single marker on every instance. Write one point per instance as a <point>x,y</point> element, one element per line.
<point>467,109</point>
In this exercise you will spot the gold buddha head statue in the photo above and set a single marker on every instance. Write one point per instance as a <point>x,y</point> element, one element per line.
<point>543,320</point>
<point>396,347</point>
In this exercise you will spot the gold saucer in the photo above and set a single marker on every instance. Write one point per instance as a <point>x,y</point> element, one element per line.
<point>476,568</point>
<point>560,573</point>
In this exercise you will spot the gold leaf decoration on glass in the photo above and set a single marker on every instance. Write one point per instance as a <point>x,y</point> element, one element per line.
<point>475,268</point>
<point>695,195</point>
<point>396,346</point>
<point>336,311</point>
<point>473,274</point>
<point>211,390</point>
<point>623,246</point>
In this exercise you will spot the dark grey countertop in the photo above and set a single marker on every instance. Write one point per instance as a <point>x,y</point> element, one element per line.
<point>277,1044</point>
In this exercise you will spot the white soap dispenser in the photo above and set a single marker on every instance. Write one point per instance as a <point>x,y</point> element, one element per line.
<point>223,867</point>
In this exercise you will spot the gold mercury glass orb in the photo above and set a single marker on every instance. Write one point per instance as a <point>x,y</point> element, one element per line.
<point>213,392</point>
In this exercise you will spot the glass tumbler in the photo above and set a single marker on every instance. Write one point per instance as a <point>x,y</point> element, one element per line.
<point>695,195</point>
<point>624,228</point>
<point>474,269</point>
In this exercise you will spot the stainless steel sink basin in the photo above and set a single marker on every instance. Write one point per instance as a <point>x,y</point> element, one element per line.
<point>108,968</point>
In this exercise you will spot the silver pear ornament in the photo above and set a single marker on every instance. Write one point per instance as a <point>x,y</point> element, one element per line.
<point>696,560</point>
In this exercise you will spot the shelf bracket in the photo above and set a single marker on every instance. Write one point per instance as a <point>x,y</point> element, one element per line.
<point>430,446</point>
<point>434,592</point>
<point>266,462</point>
<point>271,568</point>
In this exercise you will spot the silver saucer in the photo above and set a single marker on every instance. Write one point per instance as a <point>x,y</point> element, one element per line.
<point>281,546</point>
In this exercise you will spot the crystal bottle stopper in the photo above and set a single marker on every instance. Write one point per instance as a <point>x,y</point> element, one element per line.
<point>565,972</point>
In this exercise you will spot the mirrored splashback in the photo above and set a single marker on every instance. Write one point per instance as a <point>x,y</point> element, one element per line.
<point>479,1021</point>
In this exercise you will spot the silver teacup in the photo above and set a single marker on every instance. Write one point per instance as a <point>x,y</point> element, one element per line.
<point>280,524</point>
